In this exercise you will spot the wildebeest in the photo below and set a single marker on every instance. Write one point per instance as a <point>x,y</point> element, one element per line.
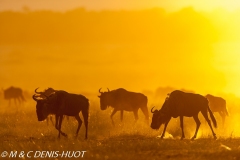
<point>14,93</point>
<point>123,100</point>
<point>180,104</point>
<point>218,104</point>
<point>63,103</point>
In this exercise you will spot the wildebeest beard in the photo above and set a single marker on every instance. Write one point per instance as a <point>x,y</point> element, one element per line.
<point>41,110</point>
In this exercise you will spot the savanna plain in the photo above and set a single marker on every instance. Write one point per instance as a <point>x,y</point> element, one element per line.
<point>20,131</point>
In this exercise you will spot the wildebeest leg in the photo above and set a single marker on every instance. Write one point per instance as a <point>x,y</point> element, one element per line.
<point>181,125</point>
<point>79,123</point>
<point>145,112</point>
<point>205,115</point>
<point>15,101</point>
<point>51,119</point>
<point>9,102</point>
<point>135,112</point>
<point>47,120</point>
<point>67,118</point>
<point>198,123</point>
<point>114,111</point>
<point>85,117</point>
<point>57,126</point>
<point>56,120</point>
<point>121,116</point>
<point>165,127</point>
<point>19,101</point>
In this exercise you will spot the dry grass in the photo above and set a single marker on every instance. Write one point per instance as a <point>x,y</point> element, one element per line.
<point>20,131</point>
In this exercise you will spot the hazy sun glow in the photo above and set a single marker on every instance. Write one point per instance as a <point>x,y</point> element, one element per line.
<point>227,60</point>
<point>143,45</point>
<point>147,46</point>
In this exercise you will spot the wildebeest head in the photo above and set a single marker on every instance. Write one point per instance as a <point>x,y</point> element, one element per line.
<point>105,99</point>
<point>41,107</point>
<point>158,119</point>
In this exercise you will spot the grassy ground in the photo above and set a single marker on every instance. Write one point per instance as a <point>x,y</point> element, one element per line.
<point>20,131</point>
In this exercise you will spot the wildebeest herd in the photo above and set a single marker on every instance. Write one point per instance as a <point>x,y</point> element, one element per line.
<point>177,104</point>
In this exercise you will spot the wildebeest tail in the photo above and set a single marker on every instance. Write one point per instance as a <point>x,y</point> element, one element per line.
<point>225,109</point>
<point>212,117</point>
<point>226,112</point>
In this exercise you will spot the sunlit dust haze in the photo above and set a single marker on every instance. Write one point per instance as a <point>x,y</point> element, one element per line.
<point>150,46</point>
<point>83,46</point>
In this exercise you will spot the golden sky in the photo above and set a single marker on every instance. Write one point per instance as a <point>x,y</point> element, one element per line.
<point>195,48</point>
<point>172,5</point>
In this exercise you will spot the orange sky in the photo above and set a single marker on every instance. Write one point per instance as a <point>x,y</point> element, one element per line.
<point>193,48</point>
<point>173,5</point>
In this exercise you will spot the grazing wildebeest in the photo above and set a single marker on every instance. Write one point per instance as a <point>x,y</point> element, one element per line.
<point>123,100</point>
<point>218,104</point>
<point>180,104</point>
<point>14,93</point>
<point>63,103</point>
<point>47,92</point>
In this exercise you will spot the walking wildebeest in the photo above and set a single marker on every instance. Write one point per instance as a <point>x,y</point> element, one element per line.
<point>14,93</point>
<point>63,103</point>
<point>180,104</point>
<point>123,100</point>
<point>218,104</point>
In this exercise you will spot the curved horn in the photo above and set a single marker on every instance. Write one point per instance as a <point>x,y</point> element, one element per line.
<point>34,98</point>
<point>108,90</point>
<point>152,110</point>
<point>100,90</point>
<point>38,92</point>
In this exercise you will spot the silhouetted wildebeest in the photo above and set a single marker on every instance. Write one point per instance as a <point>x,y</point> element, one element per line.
<point>14,93</point>
<point>63,103</point>
<point>180,104</point>
<point>123,100</point>
<point>47,92</point>
<point>218,104</point>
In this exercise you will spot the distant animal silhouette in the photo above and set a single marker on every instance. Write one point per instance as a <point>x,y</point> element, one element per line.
<point>63,103</point>
<point>14,93</point>
<point>180,104</point>
<point>123,100</point>
<point>218,104</point>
